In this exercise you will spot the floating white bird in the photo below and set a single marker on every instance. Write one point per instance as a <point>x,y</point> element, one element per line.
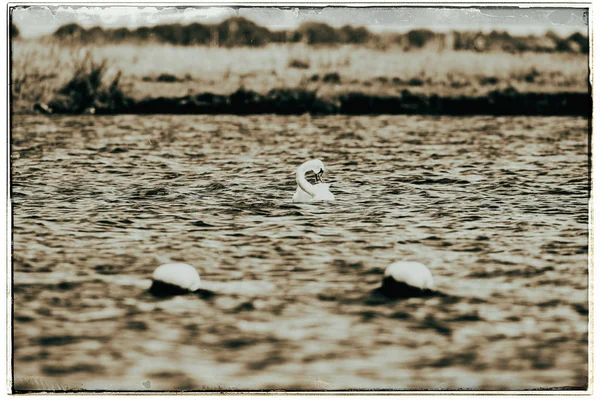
<point>306,192</point>
<point>172,279</point>
<point>181,279</point>
<point>407,279</point>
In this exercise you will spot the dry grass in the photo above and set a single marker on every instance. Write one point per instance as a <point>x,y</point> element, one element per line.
<point>40,68</point>
<point>39,72</point>
<point>351,62</point>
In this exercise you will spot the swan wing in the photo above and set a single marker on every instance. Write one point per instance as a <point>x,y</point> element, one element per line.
<point>323,192</point>
<point>301,196</point>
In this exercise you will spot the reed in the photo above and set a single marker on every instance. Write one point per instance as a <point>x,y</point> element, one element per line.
<point>41,73</point>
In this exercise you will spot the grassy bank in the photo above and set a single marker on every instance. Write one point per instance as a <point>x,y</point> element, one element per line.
<point>42,72</point>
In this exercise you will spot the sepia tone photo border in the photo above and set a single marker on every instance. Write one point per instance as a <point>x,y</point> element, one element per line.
<point>7,215</point>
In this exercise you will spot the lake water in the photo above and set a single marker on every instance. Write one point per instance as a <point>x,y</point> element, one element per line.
<point>497,207</point>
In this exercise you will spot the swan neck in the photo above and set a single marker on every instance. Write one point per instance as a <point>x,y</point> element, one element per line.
<point>303,183</point>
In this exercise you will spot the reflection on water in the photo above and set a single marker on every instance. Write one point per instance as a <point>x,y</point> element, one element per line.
<point>496,207</point>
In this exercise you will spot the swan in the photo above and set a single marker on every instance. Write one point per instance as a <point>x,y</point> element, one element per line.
<point>176,278</point>
<point>180,279</point>
<point>306,192</point>
<point>407,279</point>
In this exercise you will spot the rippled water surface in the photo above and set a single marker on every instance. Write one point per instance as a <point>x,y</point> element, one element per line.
<point>496,207</point>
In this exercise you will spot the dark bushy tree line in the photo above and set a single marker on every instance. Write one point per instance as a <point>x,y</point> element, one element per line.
<point>242,32</point>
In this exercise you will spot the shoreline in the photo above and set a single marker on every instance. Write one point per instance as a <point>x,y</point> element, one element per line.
<point>294,79</point>
<point>301,101</point>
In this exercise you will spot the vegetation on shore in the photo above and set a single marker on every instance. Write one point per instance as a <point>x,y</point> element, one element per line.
<point>238,31</point>
<point>73,78</point>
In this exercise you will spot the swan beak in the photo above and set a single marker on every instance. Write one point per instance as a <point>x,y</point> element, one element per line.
<point>319,177</point>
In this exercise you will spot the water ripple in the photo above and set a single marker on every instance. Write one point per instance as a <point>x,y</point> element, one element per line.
<point>496,207</point>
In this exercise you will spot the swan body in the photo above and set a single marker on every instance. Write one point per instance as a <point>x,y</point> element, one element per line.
<point>178,278</point>
<point>307,192</point>
<point>407,279</point>
<point>411,273</point>
<point>321,191</point>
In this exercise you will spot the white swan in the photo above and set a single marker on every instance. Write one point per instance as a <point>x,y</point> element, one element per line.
<point>407,279</point>
<point>178,278</point>
<point>174,279</point>
<point>306,192</point>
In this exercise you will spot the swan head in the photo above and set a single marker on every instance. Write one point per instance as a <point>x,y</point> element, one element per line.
<point>316,166</point>
<point>316,192</point>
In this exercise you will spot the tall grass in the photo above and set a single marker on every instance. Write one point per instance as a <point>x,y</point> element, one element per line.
<point>41,72</point>
<point>36,70</point>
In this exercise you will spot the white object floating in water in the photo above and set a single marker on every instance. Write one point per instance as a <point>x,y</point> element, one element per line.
<point>407,279</point>
<point>171,277</point>
<point>307,192</point>
<point>412,273</point>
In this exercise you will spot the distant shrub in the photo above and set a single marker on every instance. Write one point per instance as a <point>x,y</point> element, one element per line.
<point>581,40</point>
<point>473,41</point>
<point>458,84</point>
<point>531,76</point>
<point>350,34</point>
<point>172,34</point>
<point>500,36</point>
<point>95,35</point>
<point>563,46</point>
<point>198,34</point>
<point>120,34</point>
<point>296,63</point>
<point>332,77</point>
<point>316,33</point>
<point>416,82</point>
<point>488,80</point>
<point>242,32</point>
<point>280,37</point>
<point>418,38</point>
<point>71,31</point>
<point>143,33</point>
<point>576,43</point>
<point>14,31</point>
<point>167,78</point>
